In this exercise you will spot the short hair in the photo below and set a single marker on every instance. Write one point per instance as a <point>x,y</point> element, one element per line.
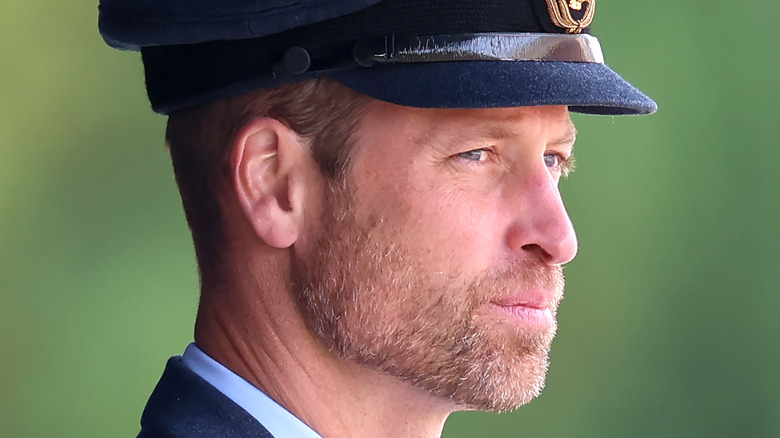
<point>322,112</point>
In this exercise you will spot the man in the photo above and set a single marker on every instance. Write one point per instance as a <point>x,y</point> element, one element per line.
<point>372,189</point>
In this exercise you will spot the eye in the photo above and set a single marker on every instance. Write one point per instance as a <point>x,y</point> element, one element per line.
<point>553,160</point>
<point>474,155</point>
<point>556,161</point>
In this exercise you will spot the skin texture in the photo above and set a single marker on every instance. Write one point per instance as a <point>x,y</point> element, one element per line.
<point>426,281</point>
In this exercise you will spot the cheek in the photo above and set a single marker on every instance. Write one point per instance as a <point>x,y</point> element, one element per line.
<point>381,190</point>
<point>465,233</point>
<point>452,226</point>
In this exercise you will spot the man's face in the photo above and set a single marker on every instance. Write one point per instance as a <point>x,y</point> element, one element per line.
<point>439,256</point>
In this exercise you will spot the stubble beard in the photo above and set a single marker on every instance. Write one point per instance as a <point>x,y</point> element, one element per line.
<point>369,295</point>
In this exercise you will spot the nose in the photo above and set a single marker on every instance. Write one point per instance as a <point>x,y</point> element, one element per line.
<point>541,227</point>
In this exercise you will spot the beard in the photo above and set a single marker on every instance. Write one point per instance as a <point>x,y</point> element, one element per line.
<point>370,293</point>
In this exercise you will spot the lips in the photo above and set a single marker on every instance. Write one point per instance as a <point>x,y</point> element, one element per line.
<point>531,308</point>
<point>532,299</point>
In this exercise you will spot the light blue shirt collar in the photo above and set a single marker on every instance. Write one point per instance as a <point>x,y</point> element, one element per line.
<point>276,419</point>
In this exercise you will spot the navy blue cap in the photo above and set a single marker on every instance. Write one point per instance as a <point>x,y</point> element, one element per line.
<point>431,54</point>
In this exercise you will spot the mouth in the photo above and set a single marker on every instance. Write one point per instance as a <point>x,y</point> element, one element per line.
<point>533,311</point>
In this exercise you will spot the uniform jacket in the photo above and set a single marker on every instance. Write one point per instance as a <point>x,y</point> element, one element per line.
<point>183,405</point>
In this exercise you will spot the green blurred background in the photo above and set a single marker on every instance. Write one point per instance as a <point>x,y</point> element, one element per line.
<point>669,327</point>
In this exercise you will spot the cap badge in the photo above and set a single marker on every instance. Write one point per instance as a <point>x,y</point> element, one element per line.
<point>562,15</point>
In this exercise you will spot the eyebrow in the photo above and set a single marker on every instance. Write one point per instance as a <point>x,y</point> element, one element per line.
<point>567,139</point>
<point>490,131</point>
<point>493,130</point>
<point>498,130</point>
<point>502,130</point>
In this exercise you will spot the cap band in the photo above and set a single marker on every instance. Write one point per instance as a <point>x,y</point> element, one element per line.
<point>480,47</point>
<point>442,48</point>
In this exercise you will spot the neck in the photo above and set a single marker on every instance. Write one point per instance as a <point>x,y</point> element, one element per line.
<point>255,329</point>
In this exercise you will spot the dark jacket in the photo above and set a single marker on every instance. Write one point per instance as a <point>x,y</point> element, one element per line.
<point>183,405</point>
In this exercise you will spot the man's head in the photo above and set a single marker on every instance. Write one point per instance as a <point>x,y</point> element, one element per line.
<point>436,248</point>
<point>397,160</point>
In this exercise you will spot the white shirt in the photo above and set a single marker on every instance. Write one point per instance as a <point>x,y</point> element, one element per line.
<point>276,419</point>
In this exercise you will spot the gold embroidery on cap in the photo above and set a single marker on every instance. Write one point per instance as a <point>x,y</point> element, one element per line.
<point>560,13</point>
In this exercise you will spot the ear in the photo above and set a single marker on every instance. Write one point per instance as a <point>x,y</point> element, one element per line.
<point>265,159</point>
